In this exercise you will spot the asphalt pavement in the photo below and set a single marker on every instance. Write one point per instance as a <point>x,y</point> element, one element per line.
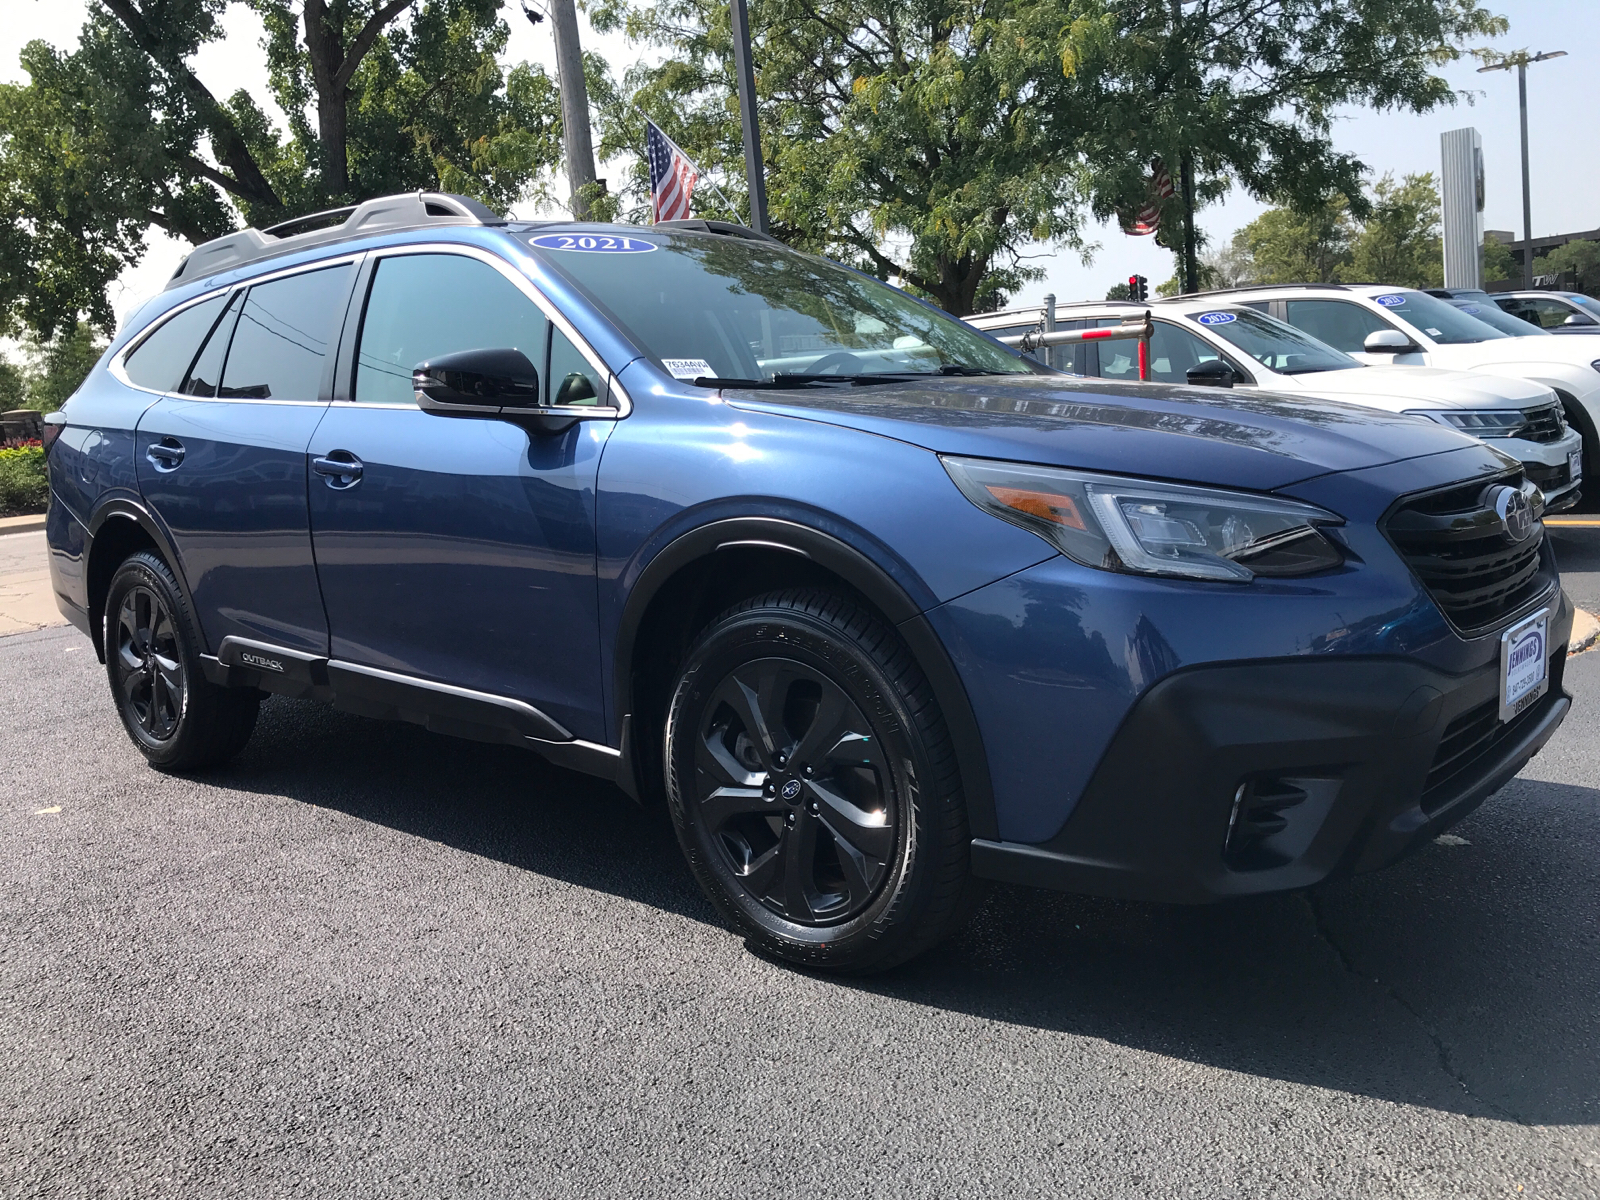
<point>364,960</point>
<point>1578,556</point>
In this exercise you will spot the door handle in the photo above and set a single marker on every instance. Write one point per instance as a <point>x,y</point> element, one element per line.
<point>166,454</point>
<point>339,468</point>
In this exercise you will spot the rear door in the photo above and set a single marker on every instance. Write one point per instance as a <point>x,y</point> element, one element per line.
<point>459,551</point>
<point>221,458</point>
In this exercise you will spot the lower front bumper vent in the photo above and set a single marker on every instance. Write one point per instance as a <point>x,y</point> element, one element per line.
<point>1274,819</point>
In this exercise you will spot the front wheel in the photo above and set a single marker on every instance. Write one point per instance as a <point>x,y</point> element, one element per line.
<point>178,718</point>
<point>813,786</point>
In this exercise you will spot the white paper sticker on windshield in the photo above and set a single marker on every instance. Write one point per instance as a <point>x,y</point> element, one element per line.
<point>689,368</point>
<point>1390,301</point>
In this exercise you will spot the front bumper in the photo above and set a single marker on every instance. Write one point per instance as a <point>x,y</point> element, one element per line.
<point>1547,464</point>
<point>1234,780</point>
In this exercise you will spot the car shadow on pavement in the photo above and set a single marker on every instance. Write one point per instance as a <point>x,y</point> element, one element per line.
<point>1465,979</point>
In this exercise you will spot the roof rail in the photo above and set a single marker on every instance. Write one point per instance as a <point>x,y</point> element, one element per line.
<point>1260,287</point>
<point>726,228</point>
<point>410,210</point>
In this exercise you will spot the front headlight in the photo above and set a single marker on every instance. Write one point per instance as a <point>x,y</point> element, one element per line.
<point>1496,423</point>
<point>1120,524</point>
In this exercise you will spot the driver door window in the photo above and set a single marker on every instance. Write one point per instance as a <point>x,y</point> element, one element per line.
<point>1342,326</point>
<point>424,305</point>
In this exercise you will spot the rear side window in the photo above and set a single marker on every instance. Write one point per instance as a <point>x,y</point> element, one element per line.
<point>162,359</point>
<point>285,332</point>
<point>207,370</point>
<point>1343,326</point>
<point>1172,352</point>
<point>425,305</point>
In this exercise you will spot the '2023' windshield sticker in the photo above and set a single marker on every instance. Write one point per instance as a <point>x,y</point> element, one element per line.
<point>1216,318</point>
<point>1390,301</point>
<point>1471,308</point>
<point>688,368</point>
<point>593,243</point>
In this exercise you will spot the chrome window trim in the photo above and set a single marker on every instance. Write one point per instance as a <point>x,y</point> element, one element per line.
<point>618,411</point>
<point>118,365</point>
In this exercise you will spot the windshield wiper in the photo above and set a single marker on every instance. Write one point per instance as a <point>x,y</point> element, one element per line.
<point>859,379</point>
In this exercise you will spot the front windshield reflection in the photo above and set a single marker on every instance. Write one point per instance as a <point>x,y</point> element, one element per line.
<point>1276,346</point>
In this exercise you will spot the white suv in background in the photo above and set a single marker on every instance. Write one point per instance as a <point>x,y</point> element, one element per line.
<point>1199,341</point>
<point>1401,325</point>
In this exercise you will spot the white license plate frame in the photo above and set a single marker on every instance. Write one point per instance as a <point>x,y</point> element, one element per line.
<point>1522,683</point>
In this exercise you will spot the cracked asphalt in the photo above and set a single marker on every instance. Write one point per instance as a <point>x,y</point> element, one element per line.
<point>364,960</point>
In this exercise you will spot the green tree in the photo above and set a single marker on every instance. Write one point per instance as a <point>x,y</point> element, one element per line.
<point>13,385</point>
<point>1285,245</point>
<point>905,136</point>
<point>57,367</point>
<point>1399,242</point>
<point>1119,291</point>
<point>1580,259</point>
<point>1498,261</point>
<point>1245,90</point>
<point>119,134</point>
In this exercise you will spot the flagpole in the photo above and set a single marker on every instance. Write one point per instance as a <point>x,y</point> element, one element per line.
<point>699,171</point>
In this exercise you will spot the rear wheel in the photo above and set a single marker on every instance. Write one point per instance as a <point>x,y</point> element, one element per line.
<point>813,785</point>
<point>179,719</point>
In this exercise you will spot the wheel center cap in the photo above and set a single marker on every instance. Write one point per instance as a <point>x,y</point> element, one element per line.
<point>790,790</point>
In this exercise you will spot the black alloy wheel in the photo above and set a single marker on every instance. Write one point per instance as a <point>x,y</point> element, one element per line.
<point>793,787</point>
<point>147,665</point>
<point>813,785</point>
<point>177,717</point>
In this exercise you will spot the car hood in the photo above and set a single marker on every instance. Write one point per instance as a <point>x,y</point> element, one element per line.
<point>1397,387</point>
<point>1247,439</point>
<point>1558,352</point>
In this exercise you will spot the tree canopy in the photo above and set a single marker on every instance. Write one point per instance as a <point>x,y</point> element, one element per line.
<point>119,134</point>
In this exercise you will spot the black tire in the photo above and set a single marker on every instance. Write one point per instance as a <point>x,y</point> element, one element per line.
<point>179,719</point>
<point>813,786</point>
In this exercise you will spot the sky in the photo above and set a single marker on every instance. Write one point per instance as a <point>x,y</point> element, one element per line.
<point>1564,163</point>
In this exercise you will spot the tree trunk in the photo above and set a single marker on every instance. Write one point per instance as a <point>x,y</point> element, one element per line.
<point>325,47</point>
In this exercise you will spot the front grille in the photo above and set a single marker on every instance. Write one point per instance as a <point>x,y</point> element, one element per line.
<point>1541,424</point>
<point>1549,479</point>
<point>1474,737</point>
<point>1454,542</point>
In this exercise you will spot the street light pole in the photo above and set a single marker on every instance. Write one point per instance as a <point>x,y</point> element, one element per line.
<point>755,174</point>
<point>1520,60</point>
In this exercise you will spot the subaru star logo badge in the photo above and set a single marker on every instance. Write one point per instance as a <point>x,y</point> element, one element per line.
<point>791,789</point>
<point>1516,517</point>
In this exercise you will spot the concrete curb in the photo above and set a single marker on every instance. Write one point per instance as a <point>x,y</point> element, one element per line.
<point>23,524</point>
<point>1585,632</point>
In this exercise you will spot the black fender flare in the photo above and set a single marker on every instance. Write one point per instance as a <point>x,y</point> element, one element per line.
<point>124,507</point>
<point>860,572</point>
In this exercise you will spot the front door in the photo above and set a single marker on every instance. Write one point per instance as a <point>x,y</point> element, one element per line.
<point>222,462</point>
<point>460,551</point>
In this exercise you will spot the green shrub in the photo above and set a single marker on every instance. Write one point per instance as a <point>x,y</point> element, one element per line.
<point>24,486</point>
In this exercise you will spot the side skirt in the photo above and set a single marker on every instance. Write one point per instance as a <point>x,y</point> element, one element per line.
<point>391,696</point>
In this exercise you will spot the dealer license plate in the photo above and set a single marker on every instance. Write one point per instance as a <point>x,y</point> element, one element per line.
<point>1524,665</point>
<point>1574,465</point>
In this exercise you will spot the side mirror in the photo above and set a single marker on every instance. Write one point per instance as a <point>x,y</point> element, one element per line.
<point>1389,341</point>
<point>485,383</point>
<point>1580,319</point>
<point>1211,373</point>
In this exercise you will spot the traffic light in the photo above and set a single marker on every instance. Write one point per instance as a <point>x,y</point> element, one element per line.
<point>1138,287</point>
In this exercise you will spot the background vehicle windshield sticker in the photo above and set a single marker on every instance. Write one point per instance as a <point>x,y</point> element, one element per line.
<point>1390,301</point>
<point>1216,318</point>
<point>592,243</point>
<point>688,368</point>
<point>1471,308</point>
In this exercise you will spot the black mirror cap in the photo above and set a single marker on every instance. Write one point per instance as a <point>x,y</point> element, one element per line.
<point>478,379</point>
<point>1211,373</point>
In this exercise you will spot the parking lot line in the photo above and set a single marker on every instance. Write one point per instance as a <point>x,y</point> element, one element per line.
<point>1574,522</point>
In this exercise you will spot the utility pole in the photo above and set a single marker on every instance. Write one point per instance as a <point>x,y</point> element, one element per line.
<point>1190,249</point>
<point>1520,60</point>
<point>574,101</point>
<point>755,173</point>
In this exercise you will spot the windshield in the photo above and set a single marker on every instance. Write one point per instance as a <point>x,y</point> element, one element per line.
<point>1276,346</point>
<point>1445,324</point>
<point>1492,314</point>
<point>1588,303</point>
<point>714,306</point>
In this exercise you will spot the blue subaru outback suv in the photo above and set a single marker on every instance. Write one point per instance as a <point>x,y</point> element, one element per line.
<point>880,607</point>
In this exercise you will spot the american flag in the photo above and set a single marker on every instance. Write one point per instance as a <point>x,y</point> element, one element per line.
<point>672,175</point>
<point>1148,218</point>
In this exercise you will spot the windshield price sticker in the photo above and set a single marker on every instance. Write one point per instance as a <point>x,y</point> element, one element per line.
<point>688,368</point>
<point>1216,318</point>
<point>1524,665</point>
<point>592,243</point>
<point>1390,301</point>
